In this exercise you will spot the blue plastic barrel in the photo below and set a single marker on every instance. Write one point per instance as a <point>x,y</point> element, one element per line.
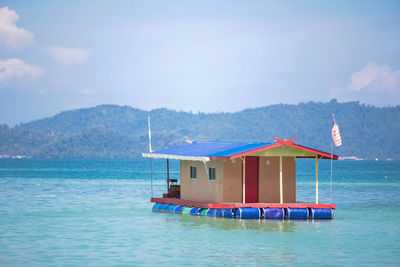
<point>163,208</point>
<point>228,213</point>
<point>195,211</point>
<point>248,213</point>
<point>218,212</point>
<point>171,208</point>
<point>211,213</point>
<point>178,209</point>
<point>321,213</point>
<point>296,213</point>
<point>274,213</point>
<point>156,207</point>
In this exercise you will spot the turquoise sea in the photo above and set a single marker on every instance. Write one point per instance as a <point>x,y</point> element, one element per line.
<point>97,213</point>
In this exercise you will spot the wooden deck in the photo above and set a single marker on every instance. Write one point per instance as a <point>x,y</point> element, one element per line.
<point>205,205</point>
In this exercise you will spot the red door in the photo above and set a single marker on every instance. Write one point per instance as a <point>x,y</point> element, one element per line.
<point>251,181</point>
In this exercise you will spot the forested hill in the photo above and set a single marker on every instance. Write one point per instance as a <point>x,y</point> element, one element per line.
<point>110,131</point>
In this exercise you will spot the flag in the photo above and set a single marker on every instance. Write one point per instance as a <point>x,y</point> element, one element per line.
<point>337,140</point>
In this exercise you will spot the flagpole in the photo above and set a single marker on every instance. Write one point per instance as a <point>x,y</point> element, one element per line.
<point>337,140</point>
<point>330,185</point>
<point>151,162</point>
<point>151,176</point>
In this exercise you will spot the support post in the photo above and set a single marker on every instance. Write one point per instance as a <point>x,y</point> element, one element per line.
<point>168,177</point>
<point>280,180</point>
<point>316,179</point>
<point>244,178</point>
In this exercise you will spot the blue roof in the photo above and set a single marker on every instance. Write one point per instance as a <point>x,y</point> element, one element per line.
<point>211,149</point>
<point>204,151</point>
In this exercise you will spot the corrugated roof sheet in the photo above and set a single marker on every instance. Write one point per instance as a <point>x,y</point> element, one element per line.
<point>211,149</point>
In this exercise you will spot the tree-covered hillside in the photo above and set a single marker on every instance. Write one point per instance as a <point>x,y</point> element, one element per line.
<point>110,131</point>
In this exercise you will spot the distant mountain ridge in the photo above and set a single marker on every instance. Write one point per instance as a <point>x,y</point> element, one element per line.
<point>111,131</point>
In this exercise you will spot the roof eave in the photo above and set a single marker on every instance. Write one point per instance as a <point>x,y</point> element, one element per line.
<point>177,157</point>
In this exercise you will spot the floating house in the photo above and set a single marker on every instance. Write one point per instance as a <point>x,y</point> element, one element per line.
<point>239,180</point>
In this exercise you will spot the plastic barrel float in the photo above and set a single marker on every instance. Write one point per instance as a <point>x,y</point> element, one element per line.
<point>210,212</point>
<point>321,213</point>
<point>163,208</point>
<point>178,209</point>
<point>297,213</point>
<point>171,208</point>
<point>248,212</point>
<point>156,207</point>
<point>273,213</point>
<point>195,211</point>
<point>228,213</point>
<point>203,212</point>
<point>186,210</point>
<point>218,212</point>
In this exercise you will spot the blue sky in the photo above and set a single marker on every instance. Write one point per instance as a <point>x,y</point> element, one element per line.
<point>208,56</point>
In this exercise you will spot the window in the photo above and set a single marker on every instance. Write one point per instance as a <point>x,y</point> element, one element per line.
<point>193,172</point>
<point>211,173</point>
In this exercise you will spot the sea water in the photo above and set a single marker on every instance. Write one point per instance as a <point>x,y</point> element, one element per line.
<point>97,212</point>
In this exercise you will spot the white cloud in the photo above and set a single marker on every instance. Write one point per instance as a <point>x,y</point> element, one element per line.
<point>67,55</point>
<point>16,68</point>
<point>380,77</point>
<point>87,91</point>
<point>10,34</point>
<point>374,84</point>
